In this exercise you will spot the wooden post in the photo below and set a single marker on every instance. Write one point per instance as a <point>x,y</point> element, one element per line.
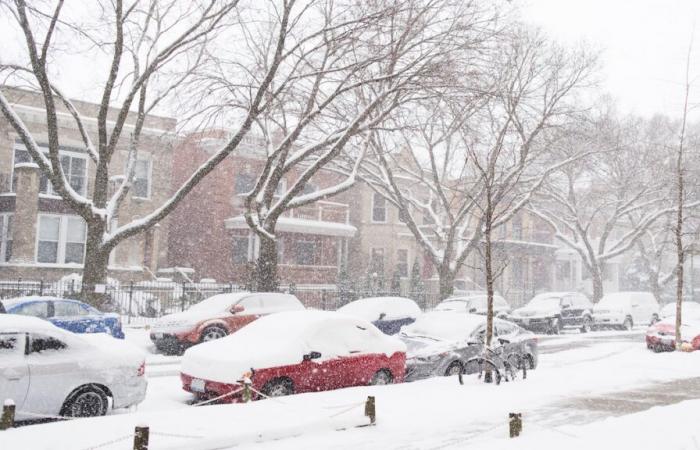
<point>515,424</point>
<point>141,438</point>
<point>370,410</point>
<point>7,420</point>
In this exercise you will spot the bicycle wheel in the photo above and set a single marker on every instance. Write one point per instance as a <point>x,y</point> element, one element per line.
<point>490,372</point>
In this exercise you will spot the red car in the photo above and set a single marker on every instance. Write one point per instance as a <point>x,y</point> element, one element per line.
<point>217,317</point>
<point>661,336</point>
<point>293,352</point>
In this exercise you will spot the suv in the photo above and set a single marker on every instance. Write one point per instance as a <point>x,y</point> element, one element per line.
<point>217,317</point>
<point>552,311</point>
<point>475,304</point>
<point>624,309</point>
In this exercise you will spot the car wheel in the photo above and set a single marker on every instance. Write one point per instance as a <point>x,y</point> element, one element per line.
<point>86,402</point>
<point>454,368</point>
<point>212,333</point>
<point>627,324</point>
<point>587,326</point>
<point>381,377</point>
<point>278,388</point>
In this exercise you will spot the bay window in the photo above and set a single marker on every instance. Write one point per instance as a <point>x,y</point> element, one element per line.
<point>74,166</point>
<point>141,186</point>
<point>61,239</point>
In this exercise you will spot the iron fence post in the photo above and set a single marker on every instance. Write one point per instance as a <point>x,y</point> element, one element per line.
<point>182,298</point>
<point>41,287</point>
<point>131,296</point>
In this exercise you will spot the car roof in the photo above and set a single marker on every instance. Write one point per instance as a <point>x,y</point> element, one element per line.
<point>11,302</point>
<point>21,323</point>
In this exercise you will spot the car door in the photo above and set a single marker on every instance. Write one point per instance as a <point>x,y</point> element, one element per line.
<point>252,308</point>
<point>568,310</point>
<point>53,373</point>
<point>72,317</point>
<point>14,371</point>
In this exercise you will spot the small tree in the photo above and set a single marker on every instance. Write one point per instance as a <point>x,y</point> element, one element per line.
<point>346,293</point>
<point>416,287</point>
<point>395,286</point>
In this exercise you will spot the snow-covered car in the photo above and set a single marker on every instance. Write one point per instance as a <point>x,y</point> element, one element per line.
<point>68,314</point>
<point>388,314</point>
<point>688,307</point>
<point>661,336</point>
<point>216,317</point>
<point>441,342</point>
<point>293,352</point>
<point>624,309</point>
<point>550,312</point>
<point>46,370</point>
<point>474,304</point>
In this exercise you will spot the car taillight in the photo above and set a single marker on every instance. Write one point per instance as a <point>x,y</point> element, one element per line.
<point>142,369</point>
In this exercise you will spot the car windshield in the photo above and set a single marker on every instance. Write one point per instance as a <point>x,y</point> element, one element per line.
<point>545,302</point>
<point>216,303</point>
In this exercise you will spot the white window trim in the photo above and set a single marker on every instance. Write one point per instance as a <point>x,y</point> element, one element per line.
<point>386,210</point>
<point>4,235</point>
<point>62,240</point>
<point>398,261</point>
<point>150,180</point>
<point>50,193</point>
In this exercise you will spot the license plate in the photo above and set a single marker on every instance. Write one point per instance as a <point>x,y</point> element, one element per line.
<point>158,335</point>
<point>197,385</point>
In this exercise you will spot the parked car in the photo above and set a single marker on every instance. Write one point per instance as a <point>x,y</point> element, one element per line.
<point>441,342</point>
<point>688,307</point>
<point>216,317</point>
<point>293,352</point>
<point>71,315</point>
<point>624,309</point>
<point>475,304</point>
<point>49,371</point>
<point>550,312</point>
<point>661,336</point>
<point>388,314</point>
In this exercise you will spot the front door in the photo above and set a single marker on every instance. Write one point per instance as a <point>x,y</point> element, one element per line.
<point>14,371</point>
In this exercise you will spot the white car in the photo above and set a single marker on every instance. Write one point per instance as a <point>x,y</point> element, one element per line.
<point>388,314</point>
<point>49,371</point>
<point>625,309</point>
<point>688,308</point>
<point>474,304</point>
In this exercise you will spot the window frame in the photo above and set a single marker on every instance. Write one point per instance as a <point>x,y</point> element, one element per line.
<point>372,267</point>
<point>400,264</point>
<point>149,179</point>
<point>5,236</point>
<point>62,239</point>
<point>49,191</point>
<point>246,258</point>
<point>298,253</point>
<point>374,208</point>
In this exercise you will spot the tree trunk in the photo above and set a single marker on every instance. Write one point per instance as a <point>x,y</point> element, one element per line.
<point>488,269</point>
<point>447,279</point>
<point>95,266</point>
<point>597,281</point>
<point>266,279</point>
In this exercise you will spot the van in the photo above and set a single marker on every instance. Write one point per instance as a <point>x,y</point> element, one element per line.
<point>623,310</point>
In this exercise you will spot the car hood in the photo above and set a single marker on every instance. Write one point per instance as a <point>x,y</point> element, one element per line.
<point>420,347</point>
<point>184,318</point>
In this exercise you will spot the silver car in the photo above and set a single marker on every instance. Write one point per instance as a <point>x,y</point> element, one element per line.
<point>441,342</point>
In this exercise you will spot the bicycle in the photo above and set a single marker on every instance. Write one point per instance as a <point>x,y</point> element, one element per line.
<point>496,362</point>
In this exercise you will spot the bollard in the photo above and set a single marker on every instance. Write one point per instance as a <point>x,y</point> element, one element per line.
<point>515,424</point>
<point>7,420</point>
<point>370,410</point>
<point>141,438</point>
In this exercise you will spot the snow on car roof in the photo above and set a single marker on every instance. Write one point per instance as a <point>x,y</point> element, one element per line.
<point>692,308</point>
<point>219,302</point>
<point>20,323</point>
<point>444,325</point>
<point>9,302</point>
<point>283,339</point>
<point>371,308</point>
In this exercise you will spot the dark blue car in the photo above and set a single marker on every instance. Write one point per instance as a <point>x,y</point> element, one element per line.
<point>388,314</point>
<point>70,315</point>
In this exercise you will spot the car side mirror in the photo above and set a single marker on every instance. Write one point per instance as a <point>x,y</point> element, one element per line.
<point>472,310</point>
<point>382,316</point>
<point>311,355</point>
<point>503,341</point>
<point>235,309</point>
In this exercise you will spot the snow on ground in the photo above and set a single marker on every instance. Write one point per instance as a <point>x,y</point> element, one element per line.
<point>428,414</point>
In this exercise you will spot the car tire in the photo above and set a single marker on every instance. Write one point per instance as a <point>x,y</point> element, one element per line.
<point>381,377</point>
<point>87,401</point>
<point>454,368</point>
<point>627,324</point>
<point>212,333</point>
<point>587,325</point>
<point>279,387</point>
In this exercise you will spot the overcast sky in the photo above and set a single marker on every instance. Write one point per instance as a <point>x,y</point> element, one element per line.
<point>644,45</point>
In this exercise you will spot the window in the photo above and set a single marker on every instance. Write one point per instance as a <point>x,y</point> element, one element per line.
<point>35,309</point>
<point>41,343</point>
<point>402,262</point>
<point>61,239</point>
<point>141,185</point>
<point>11,344</point>
<point>240,250</point>
<point>305,254</point>
<point>74,167</point>
<point>69,309</point>
<point>308,188</point>
<point>517,228</point>
<point>376,260</point>
<point>5,237</point>
<point>378,208</point>
<point>244,183</point>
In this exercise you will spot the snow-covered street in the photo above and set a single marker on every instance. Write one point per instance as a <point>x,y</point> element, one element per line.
<point>582,382</point>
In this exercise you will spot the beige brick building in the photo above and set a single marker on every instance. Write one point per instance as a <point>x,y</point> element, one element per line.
<point>40,237</point>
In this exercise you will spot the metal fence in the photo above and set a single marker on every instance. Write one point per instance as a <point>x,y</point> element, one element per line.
<point>144,301</point>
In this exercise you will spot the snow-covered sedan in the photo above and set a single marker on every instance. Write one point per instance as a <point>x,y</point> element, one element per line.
<point>46,370</point>
<point>293,352</point>
<point>441,342</point>
<point>388,314</point>
<point>475,304</point>
<point>216,317</point>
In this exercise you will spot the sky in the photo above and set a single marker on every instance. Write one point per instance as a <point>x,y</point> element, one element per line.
<point>644,45</point>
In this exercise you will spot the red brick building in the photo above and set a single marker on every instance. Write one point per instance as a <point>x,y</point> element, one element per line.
<point>209,234</point>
